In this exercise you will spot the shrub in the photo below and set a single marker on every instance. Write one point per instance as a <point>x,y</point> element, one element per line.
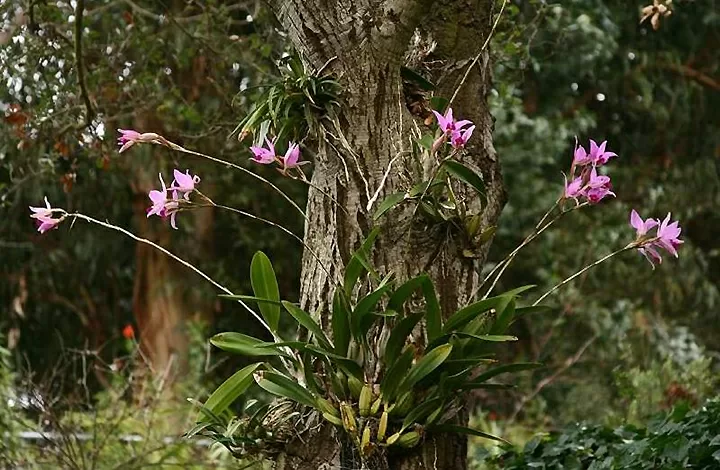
<point>681,439</point>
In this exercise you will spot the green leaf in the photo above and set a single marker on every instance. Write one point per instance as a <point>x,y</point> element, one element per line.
<point>388,203</point>
<point>304,319</point>
<point>280,385</point>
<point>426,141</point>
<point>238,343</point>
<point>531,310</point>
<point>469,313</point>
<point>396,373</point>
<point>438,103</point>
<point>415,415</point>
<point>265,286</point>
<point>299,345</point>
<point>398,335</point>
<point>359,262</point>
<point>504,369</point>
<point>432,306</point>
<point>230,390</point>
<point>504,318</point>
<point>461,334</point>
<point>411,75</point>
<point>347,365</point>
<point>405,291</point>
<point>364,306</point>
<point>455,429</point>
<point>506,312</point>
<point>425,366</point>
<point>341,322</point>
<point>466,175</point>
<point>472,362</point>
<point>309,372</point>
<point>518,290</point>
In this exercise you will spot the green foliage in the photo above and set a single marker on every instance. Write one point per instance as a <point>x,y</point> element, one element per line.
<point>647,389</point>
<point>292,106</point>
<point>418,387</point>
<point>265,286</point>
<point>132,424</point>
<point>681,439</point>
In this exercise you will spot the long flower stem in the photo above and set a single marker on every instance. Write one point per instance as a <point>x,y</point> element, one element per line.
<point>477,57</point>
<point>583,270</point>
<point>182,149</point>
<point>539,229</point>
<point>304,179</point>
<point>271,223</point>
<point>187,264</point>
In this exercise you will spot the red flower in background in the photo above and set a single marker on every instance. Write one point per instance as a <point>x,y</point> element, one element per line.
<point>128,332</point>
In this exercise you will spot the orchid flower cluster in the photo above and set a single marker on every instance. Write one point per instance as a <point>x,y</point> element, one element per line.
<point>588,184</point>
<point>129,137</point>
<point>267,155</point>
<point>181,187</point>
<point>666,236</point>
<point>457,131</point>
<point>44,217</point>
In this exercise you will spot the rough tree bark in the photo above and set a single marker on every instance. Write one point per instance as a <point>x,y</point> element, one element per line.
<point>365,43</point>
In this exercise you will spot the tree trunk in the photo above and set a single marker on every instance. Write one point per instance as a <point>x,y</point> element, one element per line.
<point>365,43</point>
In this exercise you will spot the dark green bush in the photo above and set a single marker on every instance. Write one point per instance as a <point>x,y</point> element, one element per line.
<point>681,439</point>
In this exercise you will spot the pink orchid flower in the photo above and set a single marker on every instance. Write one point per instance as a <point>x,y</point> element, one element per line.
<point>597,181</point>
<point>262,155</point>
<point>574,189</point>
<point>184,183</point>
<point>290,160</point>
<point>665,238</point>
<point>42,211</point>
<point>129,137</point>
<point>46,223</point>
<point>598,155</point>
<point>458,139</point>
<point>642,227</point>
<point>651,254</point>
<point>668,234</point>
<point>161,205</point>
<point>595,195</point>
<point>447,124</point>
<point>43,217</point>
<point>581,157</point>
<point>598,187</point>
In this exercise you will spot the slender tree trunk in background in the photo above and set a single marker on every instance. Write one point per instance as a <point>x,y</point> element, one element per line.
<point>161,302</point>
<point>364,43</point>
<point>157,296</point>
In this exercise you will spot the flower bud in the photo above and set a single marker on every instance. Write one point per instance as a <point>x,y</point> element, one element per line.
<point>382,427</point>
<point>355,386</point>
<point>375,406</point>
<point>409,439</point>
<point>365,400</point>
<point>348,418</point>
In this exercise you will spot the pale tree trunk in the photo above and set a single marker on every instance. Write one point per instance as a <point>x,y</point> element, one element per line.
<point>365,43</point>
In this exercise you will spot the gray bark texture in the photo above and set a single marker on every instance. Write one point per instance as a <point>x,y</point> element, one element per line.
<point>364,43</point>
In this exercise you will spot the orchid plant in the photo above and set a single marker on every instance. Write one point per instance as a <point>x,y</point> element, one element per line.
<point>391,396</point>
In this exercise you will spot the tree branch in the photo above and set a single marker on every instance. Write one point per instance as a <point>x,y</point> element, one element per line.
<point>79,63</point>
<point>569,362</point>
